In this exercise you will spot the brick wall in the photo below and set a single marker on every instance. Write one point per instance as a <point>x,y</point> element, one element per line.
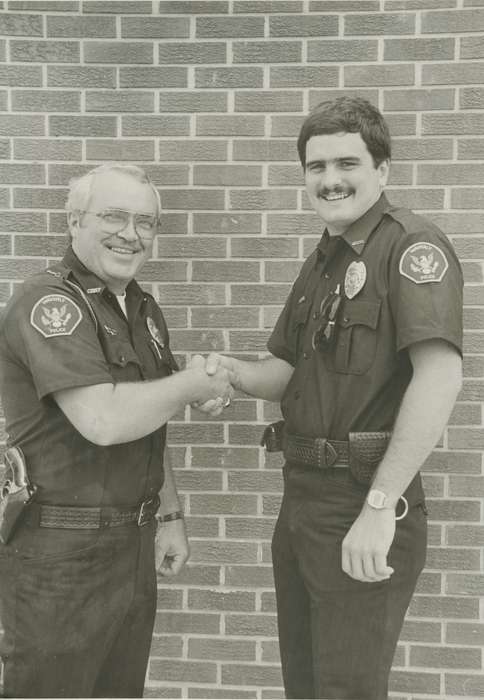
<point>209,96</point>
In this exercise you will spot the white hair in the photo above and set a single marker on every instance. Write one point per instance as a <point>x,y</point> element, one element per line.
<point>80,188</point>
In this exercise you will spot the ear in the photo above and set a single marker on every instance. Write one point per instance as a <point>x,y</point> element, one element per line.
<point>384,171</point>
<point>73,222</point>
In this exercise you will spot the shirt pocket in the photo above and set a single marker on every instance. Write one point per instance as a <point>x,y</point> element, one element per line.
<point>124,363</point>
<point>357,336</point>
<point>299,322</point>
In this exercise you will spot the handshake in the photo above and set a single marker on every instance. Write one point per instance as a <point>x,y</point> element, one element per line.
<point>216,377</point>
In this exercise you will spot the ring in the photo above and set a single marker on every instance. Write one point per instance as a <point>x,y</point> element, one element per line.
<point>227,403</point>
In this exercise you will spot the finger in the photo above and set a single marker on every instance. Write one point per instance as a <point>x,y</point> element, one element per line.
<point>212,363</point>
<point>356,566</point>
<point>368,566</point>
<point>177,563</point>
<point>382,569</point>
<point>345,561</point>
<point>196,361</point>
<point>166,568</point>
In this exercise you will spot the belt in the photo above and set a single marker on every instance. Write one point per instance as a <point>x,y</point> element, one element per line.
<point>86,518</point>
<point>316,452</point>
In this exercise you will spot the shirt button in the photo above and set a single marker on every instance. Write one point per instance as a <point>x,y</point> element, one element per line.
<point>122,359</point>
<point>297,394</point>
<point>315,315</point>
<point>327,276</point>
<point>305,355</point>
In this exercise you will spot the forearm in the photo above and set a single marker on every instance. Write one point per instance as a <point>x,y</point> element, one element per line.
<point>423,415</point>
<point>108,414</point>
<point>265,379</point>
<point>169,501</point>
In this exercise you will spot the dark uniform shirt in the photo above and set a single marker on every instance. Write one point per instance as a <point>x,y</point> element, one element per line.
<point>63,329</point>
<point>404,286</point>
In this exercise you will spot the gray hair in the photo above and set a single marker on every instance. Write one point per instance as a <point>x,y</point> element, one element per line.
<point>80,188</point>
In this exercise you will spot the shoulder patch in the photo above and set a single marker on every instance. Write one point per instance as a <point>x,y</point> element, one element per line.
<point>54,315</point>
<point>423,262</point>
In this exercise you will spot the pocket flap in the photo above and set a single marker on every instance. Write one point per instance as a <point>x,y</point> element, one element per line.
<point>365,313</point>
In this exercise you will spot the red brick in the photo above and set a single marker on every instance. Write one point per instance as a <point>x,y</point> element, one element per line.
<point>115,149</point>
<point>267,6</point>
<point>166,646</point>
<point>417,198</point>
<point>466,584</point>
<point>197,341</point>
<point>45,101</point>
<point>268,101</point>
<point>198,480</point>
<point>20,25</point>
<point>22,222</point>
<point>192,101</point>
<point>259,294</point>
<point>191,247</point>
<point>229,27</point>
<point>471,47</point>
<point>453,124</point>
<point>101,27</point>
<point>21,125</point>
<point>465,535</point>
<point>202,527</point>
<point>221,600</point>
<point>225,457</point>
<point>223,504</point>
<point>229,77</point>
<point>81,76</point>
<point>119,101</point>
<point>245,434</point>
<point>44,5</point>
<point>469,149</point>
<point>453,510</point>
<point>82,126</point>
<point>183,671</point>
<point>221,649</point>
<point>226,175</point>
<point>253,674</point>
<point>455,174</point>
<point>157,691</point>
<point>251,625</point>
<point>402,74</point>
<point>22,173</point>
<point>195,575</point>
<point>227,224</point>
<point>303,25</point>
<point>419,100</point>
<point>267,51</point>
<point>465,414</point>
<point>21,76</point>
<point>380,23</point>
<point>262,199</point>
<point>449,74</point>
<point>420,50</point>
<point>264,247</point>
<point>464,633</point>
<point>412,682</point>
<point>443,607</point>
<point>192,53</point>
<point>44,51</point>
<point>453,21</point>
<point>342,50</point>
<point>192,6</point>
<point>47,149</point>
<point>309,76</point>
<point>158,77</point>
<point>41,198</point>
<point>211,693</point>
<point>421,149</point>
<point>195,433</point>
<point>117,52</point>
<point>193,150</point>
<point>226,271</point>
<point>155,27</point>
<point>117,6</point>
<point>265,150</point>
<point>468,685</point>
<point>294,224</point>
<point>230,125</point>
<point>421,632</point>
<point>249,528</point>
<point>223,552</point>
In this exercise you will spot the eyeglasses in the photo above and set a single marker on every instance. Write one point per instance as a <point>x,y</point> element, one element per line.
<point>324,335</point>
<point>116,220</point>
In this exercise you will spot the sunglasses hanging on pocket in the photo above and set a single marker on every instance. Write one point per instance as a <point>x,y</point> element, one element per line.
<point>324,335</point>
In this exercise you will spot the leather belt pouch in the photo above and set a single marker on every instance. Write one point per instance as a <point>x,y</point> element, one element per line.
<point>366,451</point>
<point>11,508</point>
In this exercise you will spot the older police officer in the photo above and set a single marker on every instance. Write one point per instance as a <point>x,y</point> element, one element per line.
<point>366,360</point>
<point>88,384</point>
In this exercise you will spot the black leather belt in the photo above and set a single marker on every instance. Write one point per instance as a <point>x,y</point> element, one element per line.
<point>86,518</point>
<point>315,452</point>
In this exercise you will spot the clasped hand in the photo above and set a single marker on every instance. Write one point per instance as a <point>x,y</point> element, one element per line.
<point>220,382</point>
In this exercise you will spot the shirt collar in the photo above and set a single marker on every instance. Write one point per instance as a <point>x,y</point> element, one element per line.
<point>358,233</point>
<point>91,283</point>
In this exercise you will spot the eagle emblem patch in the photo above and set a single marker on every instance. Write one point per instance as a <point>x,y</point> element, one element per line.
<point>423,262</point>
<point>54,315</point>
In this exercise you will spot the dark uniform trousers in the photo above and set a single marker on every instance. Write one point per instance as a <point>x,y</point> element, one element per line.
<point>337,635</point>
<point>78,609</point>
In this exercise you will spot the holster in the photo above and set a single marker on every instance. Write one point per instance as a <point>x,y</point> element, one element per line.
<point>16,492</point>
<point>366,451</point>
<point>272,437</point>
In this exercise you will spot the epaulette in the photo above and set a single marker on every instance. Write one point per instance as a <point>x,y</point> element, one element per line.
<point>409,221</point>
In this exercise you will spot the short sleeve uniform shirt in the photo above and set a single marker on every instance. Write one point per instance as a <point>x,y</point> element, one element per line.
<point>63,329</point>
<point>400,283</point>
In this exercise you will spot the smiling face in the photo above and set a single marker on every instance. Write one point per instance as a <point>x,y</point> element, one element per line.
<point>114,258</point>
<point>342,181</point>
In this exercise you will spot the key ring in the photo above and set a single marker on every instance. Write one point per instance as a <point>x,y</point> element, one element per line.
<point>405,508</point>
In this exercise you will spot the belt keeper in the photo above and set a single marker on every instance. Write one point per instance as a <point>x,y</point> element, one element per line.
<point>169,517</point>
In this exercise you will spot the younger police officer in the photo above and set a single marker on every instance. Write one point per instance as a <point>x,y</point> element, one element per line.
<point>366,360</point>
<point>87,386</point>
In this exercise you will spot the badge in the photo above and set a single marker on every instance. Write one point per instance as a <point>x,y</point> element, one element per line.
<point>355,279</point>
<point>154,332</point>
<point>54,315</point>
<point>423,262</point>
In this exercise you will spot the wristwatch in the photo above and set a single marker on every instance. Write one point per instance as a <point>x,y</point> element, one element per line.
<point>377,499</point>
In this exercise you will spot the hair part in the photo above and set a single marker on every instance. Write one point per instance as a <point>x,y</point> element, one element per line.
<point>80,188</point>
<point>348,115</point>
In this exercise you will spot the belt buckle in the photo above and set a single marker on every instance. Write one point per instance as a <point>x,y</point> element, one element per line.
<point>327,455</point>
<point>144,518</point>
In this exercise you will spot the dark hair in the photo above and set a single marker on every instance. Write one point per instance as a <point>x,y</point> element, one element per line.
<point>350,115</point>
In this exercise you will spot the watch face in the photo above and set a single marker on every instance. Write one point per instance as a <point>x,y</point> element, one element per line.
<point>376,498</point>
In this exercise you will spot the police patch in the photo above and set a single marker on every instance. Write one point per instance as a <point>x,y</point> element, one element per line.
<point>423,262</point>
<point>54,315</point>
